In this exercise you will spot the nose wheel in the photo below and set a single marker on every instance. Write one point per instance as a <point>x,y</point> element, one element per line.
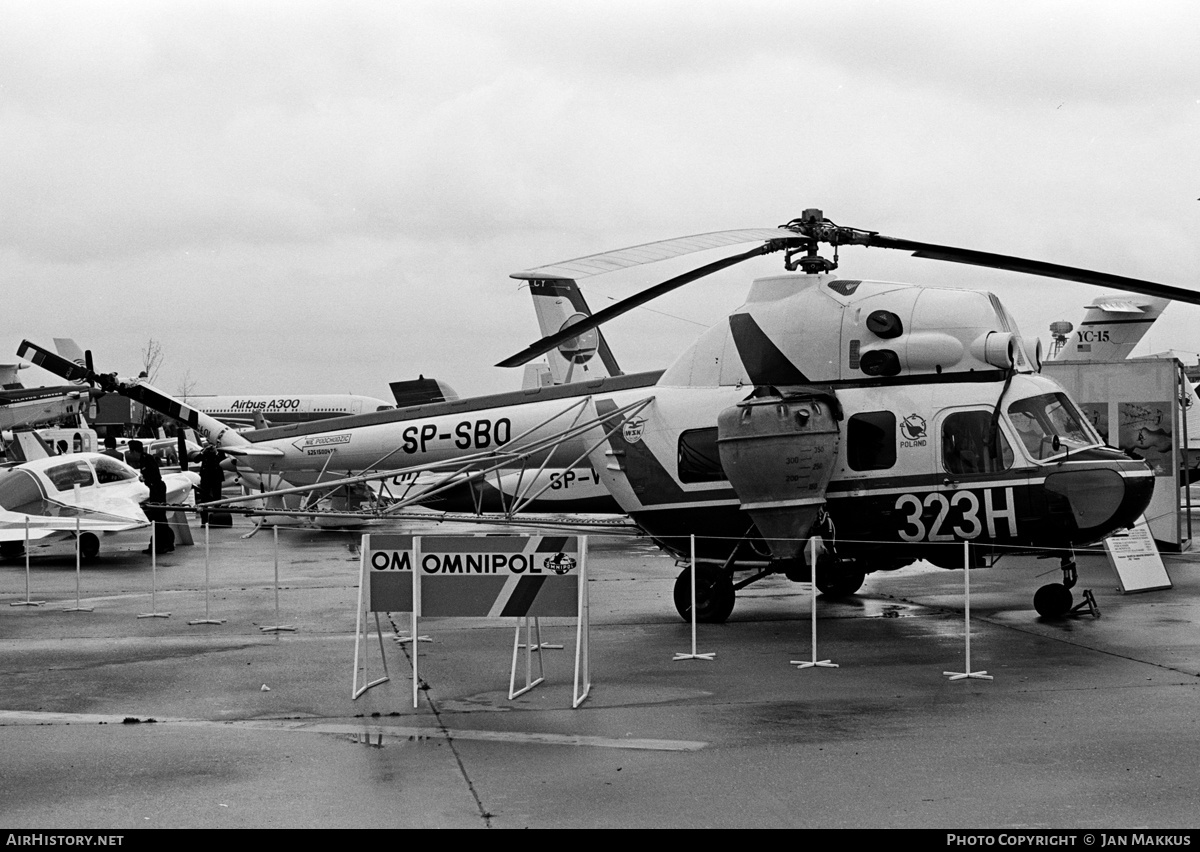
<point>1054,600</point>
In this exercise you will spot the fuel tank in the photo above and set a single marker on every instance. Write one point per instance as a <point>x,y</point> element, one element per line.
<point>778,451</point>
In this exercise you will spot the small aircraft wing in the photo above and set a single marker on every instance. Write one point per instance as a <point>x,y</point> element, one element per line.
<point>12,525</point>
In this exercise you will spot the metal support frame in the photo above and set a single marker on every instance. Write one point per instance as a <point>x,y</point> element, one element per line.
<point>693,655</point>
<point>968,674</point>
<point>812,565</point>
<point>28,601</point>
<point>277,627</point>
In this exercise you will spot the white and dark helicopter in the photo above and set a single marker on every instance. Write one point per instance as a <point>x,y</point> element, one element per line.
<point>893,420</point>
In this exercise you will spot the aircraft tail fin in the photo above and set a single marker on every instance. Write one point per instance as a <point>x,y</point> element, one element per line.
<point>420,391</point>
<point>558,302</point>
<point>1111,328</point>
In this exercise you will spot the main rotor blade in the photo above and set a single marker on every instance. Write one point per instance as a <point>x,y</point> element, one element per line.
<point>547,343</point>
<point>608,261</point>
<point>1036,267</point>
<point>52,362</point>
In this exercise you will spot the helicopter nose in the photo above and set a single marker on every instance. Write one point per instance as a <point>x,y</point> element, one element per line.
<point>1101,500</point>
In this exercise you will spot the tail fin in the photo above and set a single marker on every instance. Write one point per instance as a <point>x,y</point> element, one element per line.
<point>558,302</point>
<point>1111,328</point>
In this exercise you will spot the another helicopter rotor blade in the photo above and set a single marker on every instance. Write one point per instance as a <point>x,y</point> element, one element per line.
<point>53,363</point>
<point>597,319</point>
<point>1036,267</point>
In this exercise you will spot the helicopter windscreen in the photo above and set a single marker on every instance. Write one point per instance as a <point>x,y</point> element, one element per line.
<point>1050,425</point>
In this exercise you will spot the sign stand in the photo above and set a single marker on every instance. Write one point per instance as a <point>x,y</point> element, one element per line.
<point>78,563</point>
<point>530,648</point>
<point>539,644</point>
<point>207,619</point>
<point>416,606</point>
<point>583,626</point>
<point>279,627</point>
<point>154,613</point>
<point>967,594</point>
<point>27,601</point>
<point>694,656</point>
<point>812,563</point>
<point>361,635</point>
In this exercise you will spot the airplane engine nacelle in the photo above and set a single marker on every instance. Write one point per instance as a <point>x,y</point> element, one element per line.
<point>778,453</point>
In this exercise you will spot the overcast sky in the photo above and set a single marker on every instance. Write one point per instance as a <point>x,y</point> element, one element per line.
<point>328,196</point>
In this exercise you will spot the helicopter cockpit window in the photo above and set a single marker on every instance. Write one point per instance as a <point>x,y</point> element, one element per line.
<point>699,460</point>
<point>871,440</point>
<point>1049,426</point>
<point>971,445</point>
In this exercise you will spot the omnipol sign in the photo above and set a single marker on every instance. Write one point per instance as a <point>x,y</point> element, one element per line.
<point>497,576</point>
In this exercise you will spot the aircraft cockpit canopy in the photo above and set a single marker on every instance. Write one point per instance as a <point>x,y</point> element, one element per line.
<point>21,492</point>
<point>1050,426</point>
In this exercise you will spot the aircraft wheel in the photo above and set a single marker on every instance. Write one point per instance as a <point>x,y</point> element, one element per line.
<point>1053,600</point>
<point>714,594</point>
<point>839,582</point>
<point>89,546</point>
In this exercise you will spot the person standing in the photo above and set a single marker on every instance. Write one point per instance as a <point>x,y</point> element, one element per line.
<point>110,448</point>
<point>134,456</point>
<point>212,478</point>
<point>152,476</point>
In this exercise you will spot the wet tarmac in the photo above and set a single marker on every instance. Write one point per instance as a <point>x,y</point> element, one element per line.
<point>109,720</point>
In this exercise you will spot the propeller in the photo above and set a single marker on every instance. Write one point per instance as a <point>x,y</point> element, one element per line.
<point>136,390</point>
<point>804,234</point>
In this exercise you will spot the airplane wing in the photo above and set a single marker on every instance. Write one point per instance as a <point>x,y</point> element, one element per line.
<point>12,525</point>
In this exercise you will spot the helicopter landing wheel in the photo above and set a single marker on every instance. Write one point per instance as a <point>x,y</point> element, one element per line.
<point>1053,600</point>
<point>89,546</point>
<point>840,581</point>
<point>714,594</point>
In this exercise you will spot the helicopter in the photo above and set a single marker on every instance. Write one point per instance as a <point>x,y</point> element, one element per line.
<point>891,420</point>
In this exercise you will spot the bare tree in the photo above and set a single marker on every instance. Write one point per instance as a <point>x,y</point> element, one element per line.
<point>152,358</point>
<point>187,386</point>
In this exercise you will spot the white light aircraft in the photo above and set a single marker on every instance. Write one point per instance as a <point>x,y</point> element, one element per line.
<point>97,494</point>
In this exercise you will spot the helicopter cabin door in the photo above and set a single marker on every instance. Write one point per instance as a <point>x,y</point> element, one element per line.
<point>976,464</point>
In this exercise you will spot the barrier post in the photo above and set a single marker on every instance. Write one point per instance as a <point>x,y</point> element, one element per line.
<point>78,571</point>
<point>277,627</point>
<point>967,616</point>
<point>154,613</point>
<point>207,619</point>
<point>694,656</point>
<point>27,601</point>
<point>812,564</point>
